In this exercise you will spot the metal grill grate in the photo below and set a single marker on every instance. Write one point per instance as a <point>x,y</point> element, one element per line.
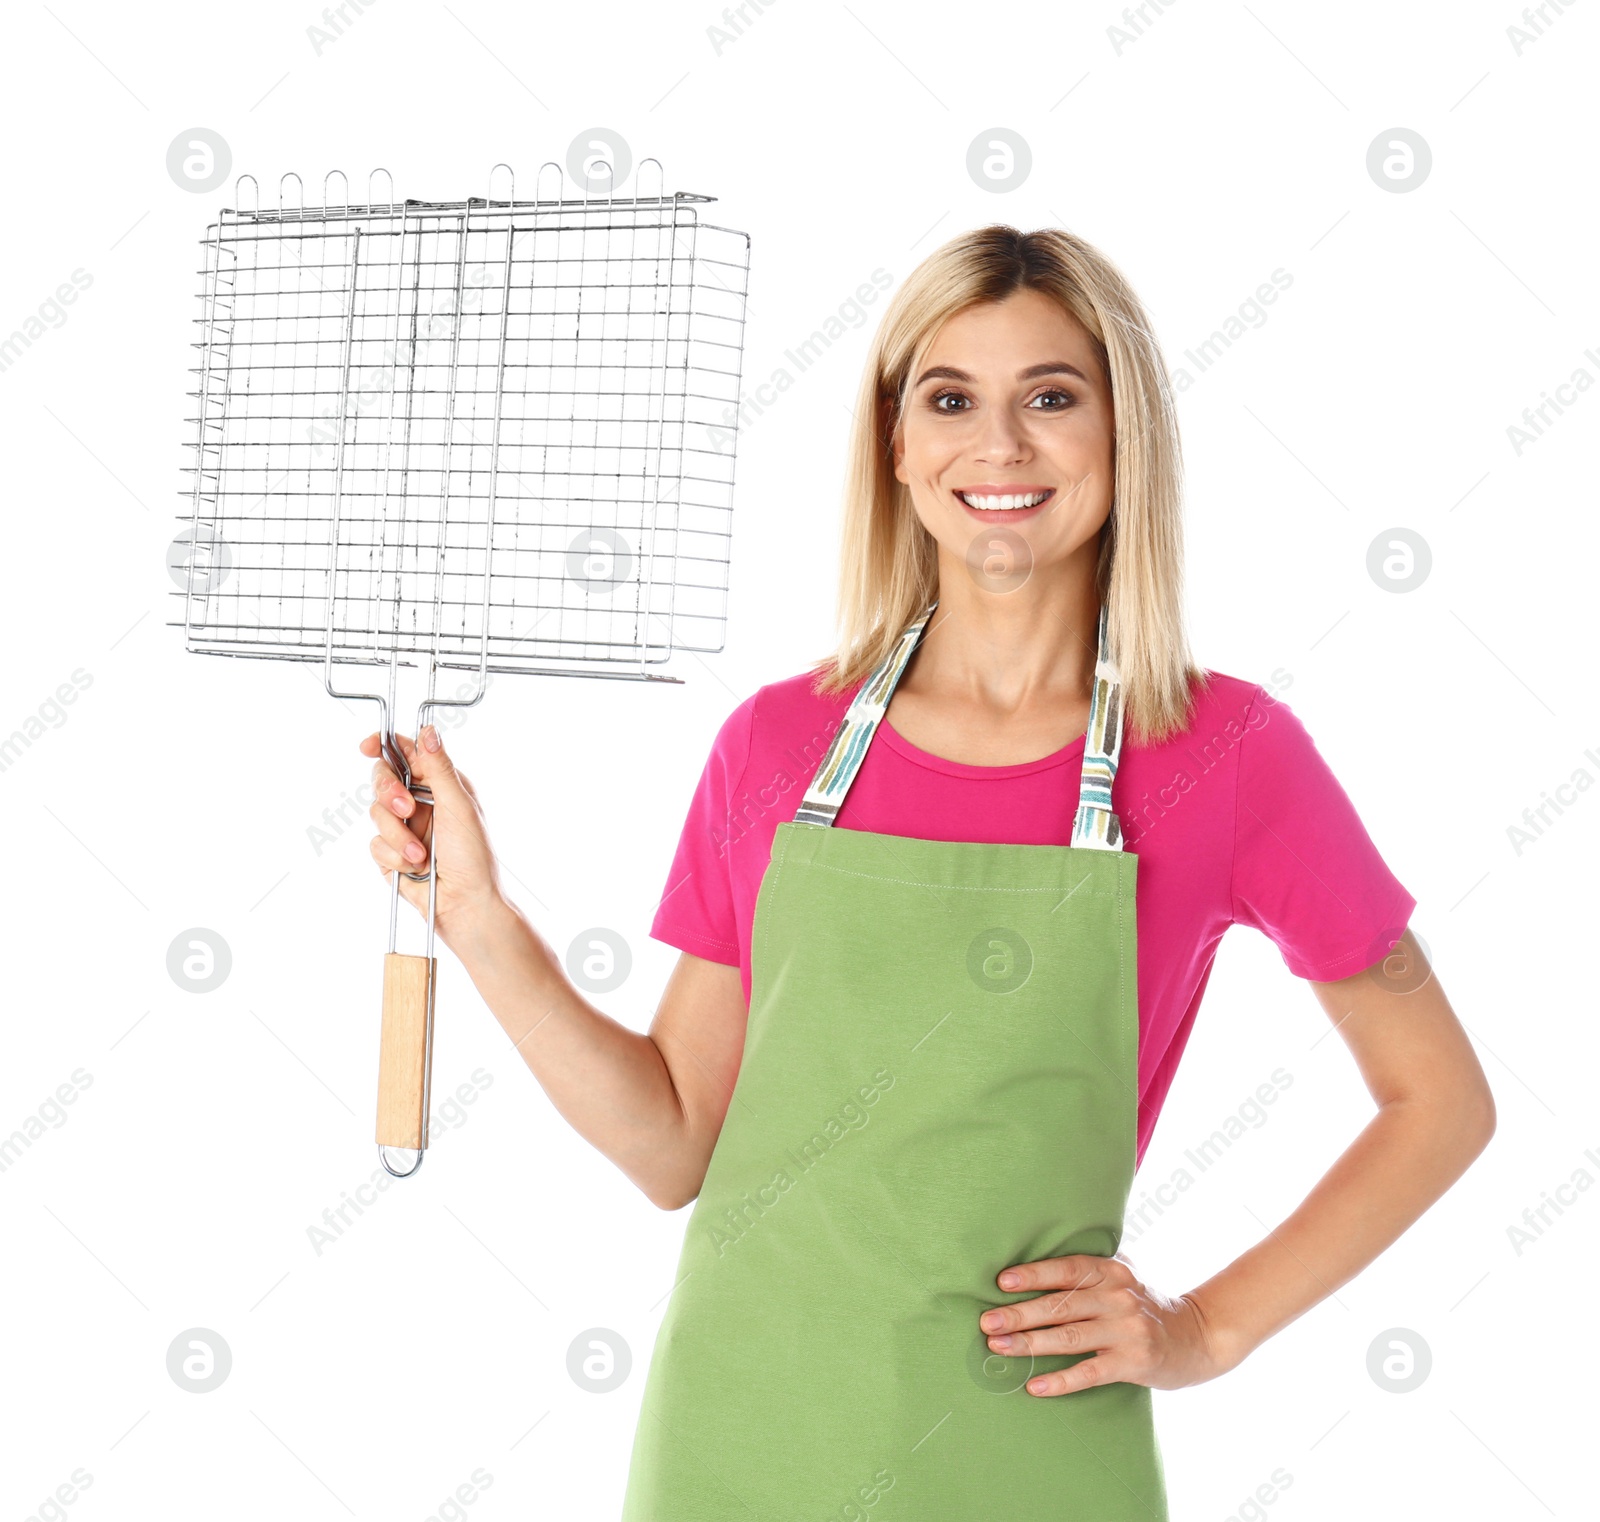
<point>486,434</point>
<point>489,435</point>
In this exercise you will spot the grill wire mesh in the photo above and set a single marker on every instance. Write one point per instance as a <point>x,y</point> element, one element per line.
<point>492,434</point>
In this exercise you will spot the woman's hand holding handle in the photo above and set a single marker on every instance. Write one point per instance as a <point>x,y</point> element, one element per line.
<point>452,826</point>
<point>618,1088</point>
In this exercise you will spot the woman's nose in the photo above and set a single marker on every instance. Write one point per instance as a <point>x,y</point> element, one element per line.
<point>1002,444</point>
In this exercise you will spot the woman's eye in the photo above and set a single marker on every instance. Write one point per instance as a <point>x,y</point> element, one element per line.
<point>1054,400</point>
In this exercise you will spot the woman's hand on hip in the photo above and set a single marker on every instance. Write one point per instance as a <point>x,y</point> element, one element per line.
<point>1096,1305</point>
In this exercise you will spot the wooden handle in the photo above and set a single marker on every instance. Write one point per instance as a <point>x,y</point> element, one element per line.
<point>403,1051</point>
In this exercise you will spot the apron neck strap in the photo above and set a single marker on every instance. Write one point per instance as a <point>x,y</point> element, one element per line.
<point>1094,825</point>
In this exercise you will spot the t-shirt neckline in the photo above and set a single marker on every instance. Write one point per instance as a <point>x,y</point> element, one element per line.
<point>901,746</point>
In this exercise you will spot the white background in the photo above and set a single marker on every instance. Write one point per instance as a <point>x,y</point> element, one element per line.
<point>430,1341</point>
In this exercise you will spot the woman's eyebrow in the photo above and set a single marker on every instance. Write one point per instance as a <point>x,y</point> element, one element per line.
<point>1033,372</point>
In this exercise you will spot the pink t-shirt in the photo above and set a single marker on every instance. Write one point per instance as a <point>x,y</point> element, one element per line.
<point>1236,821</point>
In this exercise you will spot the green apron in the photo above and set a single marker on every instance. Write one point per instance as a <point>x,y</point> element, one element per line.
<point>940,1079</point>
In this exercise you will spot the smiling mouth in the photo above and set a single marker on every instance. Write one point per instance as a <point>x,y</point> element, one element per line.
<point>1011,502</point>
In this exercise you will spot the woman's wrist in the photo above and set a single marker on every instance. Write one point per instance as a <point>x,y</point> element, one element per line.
<point>484,929</point>
<point>1227,1342</point>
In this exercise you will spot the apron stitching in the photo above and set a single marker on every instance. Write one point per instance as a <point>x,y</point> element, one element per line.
<point>1099,1057</point>
<point>891,850</point>
<point>1081,881</point>
<point>911,882</point>
<point>1122,1005</point>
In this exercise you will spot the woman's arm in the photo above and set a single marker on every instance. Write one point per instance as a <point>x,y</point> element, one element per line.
<point>654,1104</point>
<point>1435,1115</point>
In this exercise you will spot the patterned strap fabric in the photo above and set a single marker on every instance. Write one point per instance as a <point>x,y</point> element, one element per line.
<point>849,748</point>
<point>1094,825</point>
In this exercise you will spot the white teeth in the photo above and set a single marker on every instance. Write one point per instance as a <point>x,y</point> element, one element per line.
<point>1002,504</point>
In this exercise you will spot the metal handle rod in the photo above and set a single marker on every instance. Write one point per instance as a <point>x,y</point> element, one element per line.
<point>432,702</point>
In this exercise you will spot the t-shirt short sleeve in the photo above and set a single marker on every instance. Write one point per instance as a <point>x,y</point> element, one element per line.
<point>1305,871</point>
<point>696,913</point>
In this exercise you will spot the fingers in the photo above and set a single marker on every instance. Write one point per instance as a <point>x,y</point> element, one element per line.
<point>1076,1337</point>
<point>1115,1342</point>
<point>1102,1369</point>
<point>1072,1273</point>
<point>1123,1348</point>
<point>428,762</point>
<point>391,799</point>
<point>387,788</point>
<point>404,827</point>
<point>1076,1271</point>
<point>1088,1305</point>
<point>1076,1288</point>
<point>395,848</point>
<point>1050,1309</point>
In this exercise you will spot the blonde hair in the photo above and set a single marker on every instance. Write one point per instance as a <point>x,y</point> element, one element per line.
<point>889,572</point>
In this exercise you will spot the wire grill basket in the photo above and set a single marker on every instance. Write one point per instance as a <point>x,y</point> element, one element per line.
<point>490,435</point>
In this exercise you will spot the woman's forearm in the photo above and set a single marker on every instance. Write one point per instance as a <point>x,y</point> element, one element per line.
<point>609,1082</point>
<point>1402,1161</point>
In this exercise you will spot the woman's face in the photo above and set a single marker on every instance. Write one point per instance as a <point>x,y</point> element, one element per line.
<point>1008,421</point>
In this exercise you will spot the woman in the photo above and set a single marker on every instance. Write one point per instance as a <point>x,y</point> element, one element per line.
<point>944,933</point>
